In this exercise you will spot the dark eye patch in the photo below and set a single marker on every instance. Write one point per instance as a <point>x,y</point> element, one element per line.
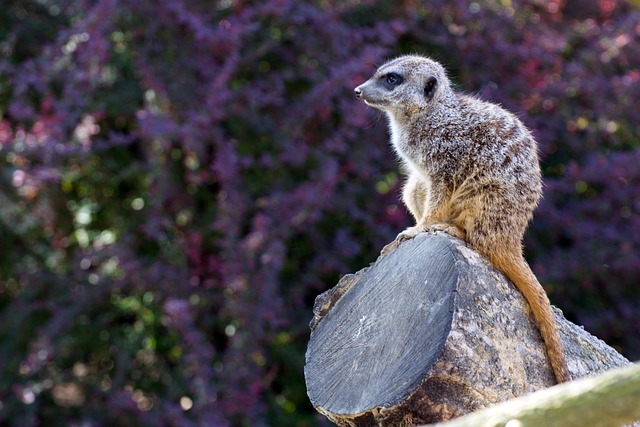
<point>392,80</point>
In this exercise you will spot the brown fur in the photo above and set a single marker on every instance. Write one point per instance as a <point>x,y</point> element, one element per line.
<point>472,172</point>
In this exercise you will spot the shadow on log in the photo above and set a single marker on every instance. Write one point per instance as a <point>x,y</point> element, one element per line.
<point>429,332</point>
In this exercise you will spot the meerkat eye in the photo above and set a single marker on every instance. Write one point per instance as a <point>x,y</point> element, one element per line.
<point>392,79</point>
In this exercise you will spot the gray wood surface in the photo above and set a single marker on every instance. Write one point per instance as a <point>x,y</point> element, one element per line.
<point>429,332</point>
<point>383,335</point>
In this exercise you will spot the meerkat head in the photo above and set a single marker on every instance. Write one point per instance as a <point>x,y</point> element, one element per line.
<point>405,84</point>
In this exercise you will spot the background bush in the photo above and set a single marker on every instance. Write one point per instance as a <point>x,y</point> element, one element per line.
<point>180,179</point>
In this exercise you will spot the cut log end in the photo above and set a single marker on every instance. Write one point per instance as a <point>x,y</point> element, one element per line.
<point>430,332</point>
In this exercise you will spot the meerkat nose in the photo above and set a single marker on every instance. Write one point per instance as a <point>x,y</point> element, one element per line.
<point>358,92</point>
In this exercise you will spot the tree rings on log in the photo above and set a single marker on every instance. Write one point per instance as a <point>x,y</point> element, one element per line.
<point>429,332</point>
<point>375,344</point>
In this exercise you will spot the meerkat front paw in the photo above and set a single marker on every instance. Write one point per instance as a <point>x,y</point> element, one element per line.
<point>410,233</point>
<point>407,234</point>
<point>450,229</point>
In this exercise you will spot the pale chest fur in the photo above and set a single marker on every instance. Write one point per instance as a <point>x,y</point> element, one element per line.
<point>427,151</point>
<point>479,141</point>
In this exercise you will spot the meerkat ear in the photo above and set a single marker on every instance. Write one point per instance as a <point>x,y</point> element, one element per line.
<point>430,88</point>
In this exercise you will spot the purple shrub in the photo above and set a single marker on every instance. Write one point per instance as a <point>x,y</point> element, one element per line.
<point>182,177</point>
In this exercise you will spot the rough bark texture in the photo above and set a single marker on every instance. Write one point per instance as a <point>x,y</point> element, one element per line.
<point>429,332</point>
<point>610,399</point>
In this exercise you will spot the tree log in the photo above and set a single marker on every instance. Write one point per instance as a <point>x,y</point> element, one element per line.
<point>429,332</point>
<point>610,399</point>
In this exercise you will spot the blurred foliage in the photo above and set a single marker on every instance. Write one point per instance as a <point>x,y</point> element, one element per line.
<point>180,178</point>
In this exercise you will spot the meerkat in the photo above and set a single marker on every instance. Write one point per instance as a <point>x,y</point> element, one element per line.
<point>472,172</point>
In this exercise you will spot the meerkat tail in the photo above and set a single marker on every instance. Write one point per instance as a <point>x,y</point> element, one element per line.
<point>519,272</point>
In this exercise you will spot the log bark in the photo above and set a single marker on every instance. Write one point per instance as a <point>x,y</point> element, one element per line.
<point>429,332</point>
<point>610,399</point>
